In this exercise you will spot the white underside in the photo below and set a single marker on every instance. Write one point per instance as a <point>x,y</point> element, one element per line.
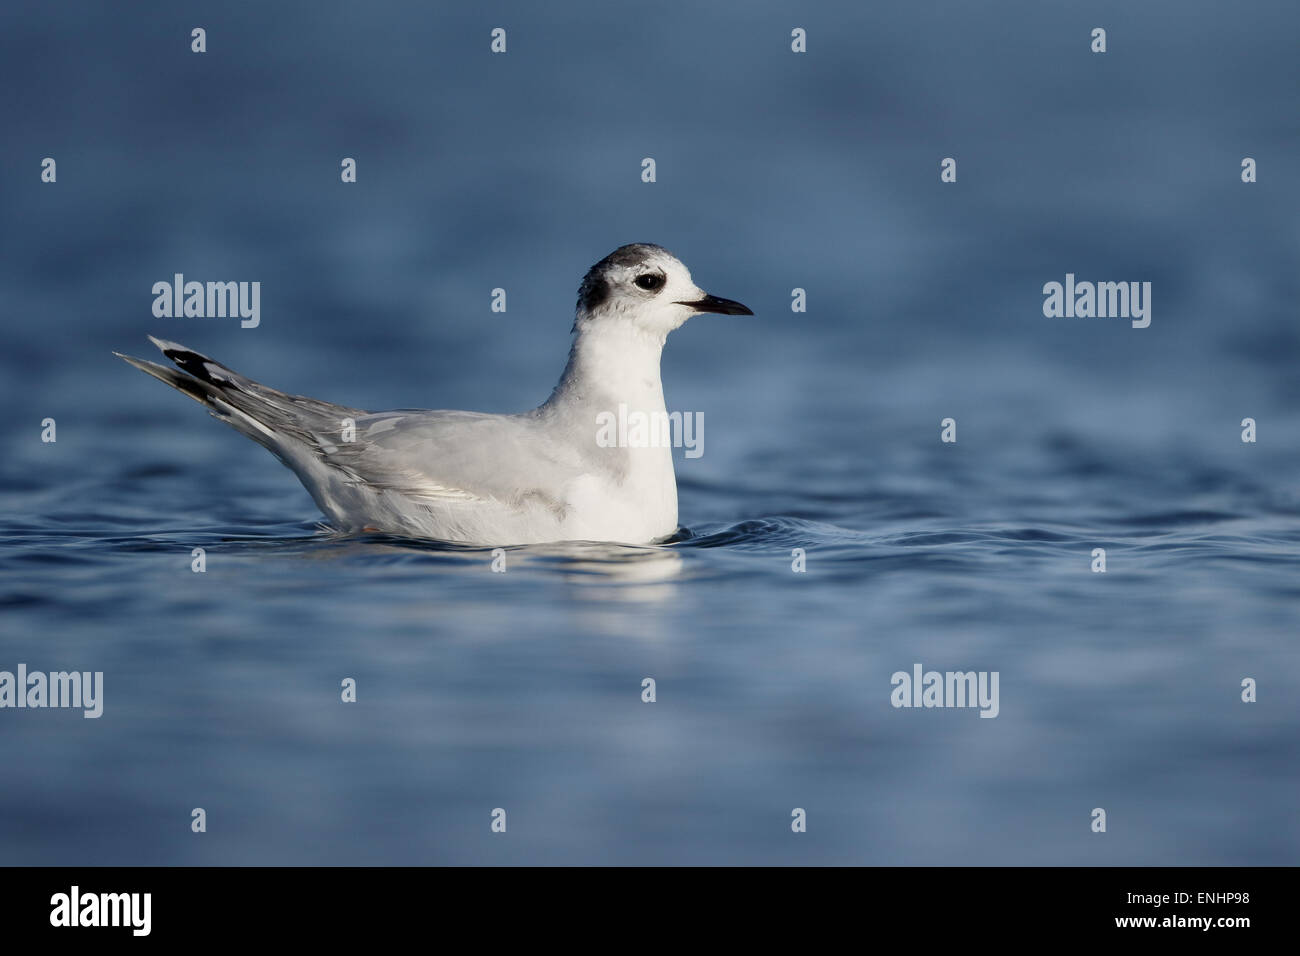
<point>593,509</point>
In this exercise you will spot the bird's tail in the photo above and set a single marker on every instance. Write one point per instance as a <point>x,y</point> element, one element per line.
<point>270,417</point>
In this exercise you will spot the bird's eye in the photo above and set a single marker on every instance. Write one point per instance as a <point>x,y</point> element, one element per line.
<point>650,282</point>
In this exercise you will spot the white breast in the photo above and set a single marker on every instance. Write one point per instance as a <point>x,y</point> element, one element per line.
<point>640,509</point>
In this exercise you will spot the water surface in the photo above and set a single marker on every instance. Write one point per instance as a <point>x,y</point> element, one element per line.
<point>522,689</point>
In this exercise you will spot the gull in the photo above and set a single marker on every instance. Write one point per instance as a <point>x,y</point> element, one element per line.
<point>483,479</point>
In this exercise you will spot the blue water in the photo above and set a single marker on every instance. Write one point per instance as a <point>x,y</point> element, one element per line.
<point>522,690</point>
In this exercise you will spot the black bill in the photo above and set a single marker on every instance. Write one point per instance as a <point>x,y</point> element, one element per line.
<point>711,303</point>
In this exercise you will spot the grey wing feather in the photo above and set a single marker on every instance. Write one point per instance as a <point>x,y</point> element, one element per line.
<point>430,456</point>
<point>439,456</point>
<point>273,418</point>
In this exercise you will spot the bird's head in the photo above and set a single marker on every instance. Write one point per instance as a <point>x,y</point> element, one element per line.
<point>647,287</point>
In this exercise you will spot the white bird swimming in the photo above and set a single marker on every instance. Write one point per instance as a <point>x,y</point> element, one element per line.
<point>483,479</point>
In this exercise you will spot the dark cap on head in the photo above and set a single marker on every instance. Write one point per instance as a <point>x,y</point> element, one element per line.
<point>595,286</point>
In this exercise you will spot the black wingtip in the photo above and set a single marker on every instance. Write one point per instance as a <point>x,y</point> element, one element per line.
<point>195,363</point>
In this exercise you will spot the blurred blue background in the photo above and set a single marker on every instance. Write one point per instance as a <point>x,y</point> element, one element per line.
<point>775,170</point>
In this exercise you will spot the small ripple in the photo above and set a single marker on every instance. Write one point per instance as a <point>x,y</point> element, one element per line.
<point>1174,519</point>
<point>776,531</point>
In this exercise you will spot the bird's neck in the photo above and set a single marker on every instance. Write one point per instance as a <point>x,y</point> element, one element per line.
<point>611,382</point>
<point>611,364</point>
